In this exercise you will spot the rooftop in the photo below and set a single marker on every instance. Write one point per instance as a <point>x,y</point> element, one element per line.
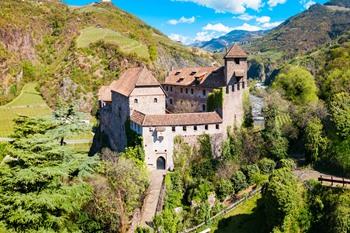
<point>236,52</point>
<point>132,78</point>
<point>105,94</point>
<point>180,119</point>
<point>197,76</point>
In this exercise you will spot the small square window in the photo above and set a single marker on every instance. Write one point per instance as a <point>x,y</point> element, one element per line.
<point>195,128</point>
<point>217,126</point>
<point>184,128</point>
<point>206,127</point>
<point>155,100</point>
<point>173,128</point>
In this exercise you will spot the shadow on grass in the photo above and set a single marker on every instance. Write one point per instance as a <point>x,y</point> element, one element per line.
<point>244,223</point>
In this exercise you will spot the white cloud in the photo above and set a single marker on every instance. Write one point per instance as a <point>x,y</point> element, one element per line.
<point>271,25</point>
<point>307,3</point>
<point>247,27</point>
<point>263,19</point>
<point>182,20</point>
<point>273,3</point>
<point>180,38</point>
<point>245,17</point>
<point>205,36</point>
<point>219,27</point>
<point>233,6</point>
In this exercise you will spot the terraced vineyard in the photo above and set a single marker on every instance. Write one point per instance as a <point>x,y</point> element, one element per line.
<point>91,35</point>
<point>28,103</point>
<point>283,119</point>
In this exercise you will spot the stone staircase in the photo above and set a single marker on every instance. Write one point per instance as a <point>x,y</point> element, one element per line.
<point>149,208</point>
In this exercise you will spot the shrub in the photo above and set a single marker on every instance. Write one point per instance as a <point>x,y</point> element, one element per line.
<point>250,171</point>
<point>239,181</point>
<point>287,163</point>
<point>224,188</point>
<point>266,165</point>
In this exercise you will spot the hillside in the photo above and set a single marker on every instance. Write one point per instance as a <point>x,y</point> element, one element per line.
<point>304,33</point>
<point>236,36</point>
<point>72,51</point>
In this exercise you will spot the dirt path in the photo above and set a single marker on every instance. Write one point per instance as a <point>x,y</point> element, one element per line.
<point>306,174</point>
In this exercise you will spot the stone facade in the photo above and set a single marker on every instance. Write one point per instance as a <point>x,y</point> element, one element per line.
<point>178,107</point>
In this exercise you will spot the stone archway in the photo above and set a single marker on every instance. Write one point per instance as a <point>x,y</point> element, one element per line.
<point>161,163</point>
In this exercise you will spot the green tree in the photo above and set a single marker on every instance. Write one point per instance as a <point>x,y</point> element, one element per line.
<point>43,185</point>
<point>239,181</point>
<point>118,191</point>
<point>315,142</point>
<point>340,110</point>
<point>266,165</point>
<point>297,85</point>
<point>283,202</point>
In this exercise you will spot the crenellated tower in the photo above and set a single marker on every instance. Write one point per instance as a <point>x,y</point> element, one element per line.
<point>236,78</point>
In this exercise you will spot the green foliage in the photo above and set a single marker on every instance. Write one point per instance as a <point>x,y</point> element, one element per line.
<point>250,171</point>
<point>266,165</point>
<point>215,100</point>
<point>224,189</point>
<point>200,192</point>
<point>167,221</point>
<point>174,192</point>
<point>340,110</point>
<point>287,163</point>
<point>153,52</point>
<point>239,181</point>
<point>43,185</point>
<point>315,142</point>
<point>283,202</point>
<point>330,209</point>
<point>275,143</point>
<point>336,81</point>
<point>297,85</point>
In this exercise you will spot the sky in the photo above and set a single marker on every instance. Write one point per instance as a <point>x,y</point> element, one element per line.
<point>189,21</point>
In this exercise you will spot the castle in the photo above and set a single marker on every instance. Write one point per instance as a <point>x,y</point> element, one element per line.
<point>179,106</point>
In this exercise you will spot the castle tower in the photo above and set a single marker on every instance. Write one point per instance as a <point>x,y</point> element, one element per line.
<point>236,78</point>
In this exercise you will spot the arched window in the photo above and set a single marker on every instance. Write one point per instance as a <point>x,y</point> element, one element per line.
<point>155,100</point>
<point>136,101</point>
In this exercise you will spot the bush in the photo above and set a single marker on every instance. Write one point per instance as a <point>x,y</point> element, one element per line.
<point>250,171</point>
<point>266,165</point>
<point>224,188</point>
<point>287,163</point>
<point>239,181</point>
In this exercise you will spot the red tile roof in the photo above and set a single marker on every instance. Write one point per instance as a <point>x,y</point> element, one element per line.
<point>180,119</point>
<point>236,52</point>
<point>211,77</point>
<point>105,94</point>
<point>134,77</point>
<point>137,117</point>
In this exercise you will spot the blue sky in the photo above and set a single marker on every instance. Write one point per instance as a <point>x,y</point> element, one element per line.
<point>201,20</point>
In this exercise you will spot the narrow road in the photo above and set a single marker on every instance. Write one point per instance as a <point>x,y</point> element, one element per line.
<point>150,203</point>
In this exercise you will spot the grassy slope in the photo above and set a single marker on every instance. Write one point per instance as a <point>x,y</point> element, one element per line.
<point>28,103</point>
<point>244,219</point>
<point>59,43</point>
<point>92,35</point>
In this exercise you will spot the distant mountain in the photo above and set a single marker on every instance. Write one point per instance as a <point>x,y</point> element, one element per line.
<point>236,36</point>
<point>342,3</point>
<point>316,27</point>
<point>306,31</point>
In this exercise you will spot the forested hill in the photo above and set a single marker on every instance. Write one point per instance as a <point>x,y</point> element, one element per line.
<point>72,51</point>
<point>306,31</point>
